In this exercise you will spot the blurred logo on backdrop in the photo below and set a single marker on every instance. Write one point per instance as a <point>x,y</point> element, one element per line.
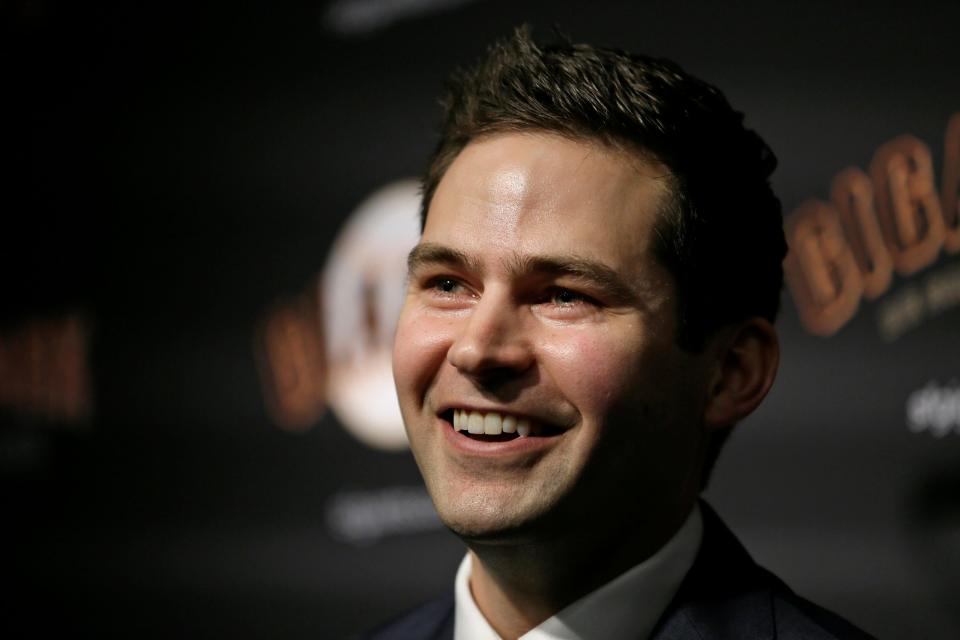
<point>890,219</point>
<point>935,409</point>
<point>365,517</point>
<point>45,369</point>
<point>332,346</point>
<point>362,17</point>
<point>45,385</point>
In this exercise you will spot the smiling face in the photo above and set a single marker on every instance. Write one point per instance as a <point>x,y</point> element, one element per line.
<point>534,297</point>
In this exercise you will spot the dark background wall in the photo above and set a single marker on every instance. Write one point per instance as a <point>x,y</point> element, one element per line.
<point>169,173</point>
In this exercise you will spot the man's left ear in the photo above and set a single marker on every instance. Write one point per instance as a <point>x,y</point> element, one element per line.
<point>746,365</point>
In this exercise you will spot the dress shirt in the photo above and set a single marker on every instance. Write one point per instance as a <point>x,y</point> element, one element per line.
<point>626,607</point>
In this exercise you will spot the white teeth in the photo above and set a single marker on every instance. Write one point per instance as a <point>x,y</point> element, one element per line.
<point>475,423</point>
<point>523,427</point>
<point>492,424</point>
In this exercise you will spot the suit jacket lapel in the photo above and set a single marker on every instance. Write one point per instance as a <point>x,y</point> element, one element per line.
<point>724,595</point>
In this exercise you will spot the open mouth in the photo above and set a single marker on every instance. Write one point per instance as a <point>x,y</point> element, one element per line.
<point>492,426</point>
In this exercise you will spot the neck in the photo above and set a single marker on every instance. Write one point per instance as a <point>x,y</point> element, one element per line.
<point>518,585</point>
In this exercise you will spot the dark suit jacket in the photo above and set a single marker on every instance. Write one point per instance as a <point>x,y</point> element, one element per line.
<point>724,595</point>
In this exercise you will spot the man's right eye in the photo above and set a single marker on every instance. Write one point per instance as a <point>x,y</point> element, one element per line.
<point>445,285</point>
<point>443,290</point>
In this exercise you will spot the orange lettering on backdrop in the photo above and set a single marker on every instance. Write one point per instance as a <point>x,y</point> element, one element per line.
<point>852,195</point>
<point>907,204</point>
<point>291,364</point>
<point>45,370</point>
<point>820,269</point>
<point>950,197</point>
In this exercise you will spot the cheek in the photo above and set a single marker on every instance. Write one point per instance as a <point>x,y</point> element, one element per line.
<point>595,370</point>
<point>419,350</point>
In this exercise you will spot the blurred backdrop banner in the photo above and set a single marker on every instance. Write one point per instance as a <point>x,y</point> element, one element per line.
<point>206,214</point>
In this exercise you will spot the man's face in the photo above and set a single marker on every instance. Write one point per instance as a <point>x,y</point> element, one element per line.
<point>534,298</point>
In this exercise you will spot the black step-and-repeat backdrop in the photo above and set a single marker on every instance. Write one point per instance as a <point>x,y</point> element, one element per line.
<point>206,212</point>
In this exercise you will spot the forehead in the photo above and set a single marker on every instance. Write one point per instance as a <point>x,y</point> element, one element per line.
<point>536,193</point>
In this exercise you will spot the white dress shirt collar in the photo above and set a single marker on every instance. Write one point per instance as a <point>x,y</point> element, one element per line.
<point>627,606</point>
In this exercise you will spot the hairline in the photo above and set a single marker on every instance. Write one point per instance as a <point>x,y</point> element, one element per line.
<point>630,148</point>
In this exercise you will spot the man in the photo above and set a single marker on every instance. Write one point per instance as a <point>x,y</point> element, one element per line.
<point>589,311</point>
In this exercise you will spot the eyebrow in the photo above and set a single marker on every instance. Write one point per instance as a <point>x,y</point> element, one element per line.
<point>432,253</point>
<point>580,268</point>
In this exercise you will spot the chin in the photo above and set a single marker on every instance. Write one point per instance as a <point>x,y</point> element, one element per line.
<point>473,531</point>
<point>478,518</point>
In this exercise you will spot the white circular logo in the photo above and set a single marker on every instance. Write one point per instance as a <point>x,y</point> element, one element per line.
<point>362,293</point>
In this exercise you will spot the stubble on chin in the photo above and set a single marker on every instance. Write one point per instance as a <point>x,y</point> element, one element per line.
<point>491,512</point>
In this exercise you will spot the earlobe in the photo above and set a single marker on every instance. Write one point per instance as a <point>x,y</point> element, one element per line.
<point>747,361</point>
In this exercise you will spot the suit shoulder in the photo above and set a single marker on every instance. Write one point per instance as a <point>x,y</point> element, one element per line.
<point>798,618</point>
<point>432,620</point>
<point>728,595</point>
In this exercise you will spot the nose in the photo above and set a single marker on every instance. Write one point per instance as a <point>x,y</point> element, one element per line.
<point>493,340</point>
